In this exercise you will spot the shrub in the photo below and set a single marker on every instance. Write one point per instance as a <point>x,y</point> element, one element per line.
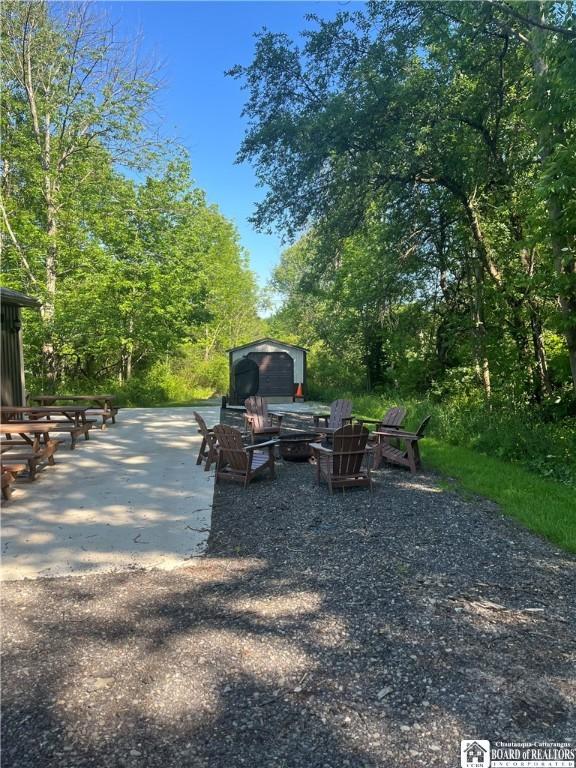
<point>537,438</point>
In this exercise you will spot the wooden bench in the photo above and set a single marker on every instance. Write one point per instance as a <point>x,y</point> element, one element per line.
<point>28,458</point>
<point>105,413</point>
<point>75,430</point>
<point>61,418</point>
<point>27,442</point>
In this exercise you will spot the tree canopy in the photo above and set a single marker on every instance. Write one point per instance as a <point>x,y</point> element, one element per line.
<point>133,266</point>
<point>423,154</point>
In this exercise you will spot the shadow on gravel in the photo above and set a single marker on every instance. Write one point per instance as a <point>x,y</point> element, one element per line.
<point>324,632</point>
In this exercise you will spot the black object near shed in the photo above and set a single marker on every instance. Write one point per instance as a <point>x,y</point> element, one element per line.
<point>269,368</point>
<point>11,350</point>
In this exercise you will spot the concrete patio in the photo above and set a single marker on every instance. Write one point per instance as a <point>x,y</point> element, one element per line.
<point>130,497</point>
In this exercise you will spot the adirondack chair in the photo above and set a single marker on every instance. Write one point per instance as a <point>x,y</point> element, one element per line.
<point>260,421</point>
<point>340,413</point>
<point>391,420</point>
<point>341,465</point>
<point>239,462</point>
<point>208,445</point>
<point>409,456</point>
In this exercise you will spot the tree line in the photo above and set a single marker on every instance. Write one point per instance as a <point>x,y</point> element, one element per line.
<point>100,217</point>
<point>422,156</point>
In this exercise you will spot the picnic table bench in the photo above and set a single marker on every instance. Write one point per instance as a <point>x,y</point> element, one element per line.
<point>75,420</point>
<point>96,405</point>
<point>32,445</point>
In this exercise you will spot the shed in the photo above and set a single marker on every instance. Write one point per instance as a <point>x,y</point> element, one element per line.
<point>13,391</point>
<point>266,367</point>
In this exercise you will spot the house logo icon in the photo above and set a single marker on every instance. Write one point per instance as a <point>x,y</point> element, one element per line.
<point>475,754</point>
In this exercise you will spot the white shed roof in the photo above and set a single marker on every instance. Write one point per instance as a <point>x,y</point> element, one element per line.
<point>268,340</point>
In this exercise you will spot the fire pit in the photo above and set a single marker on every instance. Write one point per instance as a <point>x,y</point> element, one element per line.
<point>295,446</point>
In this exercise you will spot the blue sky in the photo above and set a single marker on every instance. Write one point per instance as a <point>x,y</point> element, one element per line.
<point>197,42</point>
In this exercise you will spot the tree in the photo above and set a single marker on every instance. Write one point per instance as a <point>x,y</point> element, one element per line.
<point>421,100</point>
<point>70,89</point>
<point>130,271</point>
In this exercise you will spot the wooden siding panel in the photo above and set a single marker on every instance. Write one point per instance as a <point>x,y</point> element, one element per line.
<point>276,373</point>
<point>10,356</point>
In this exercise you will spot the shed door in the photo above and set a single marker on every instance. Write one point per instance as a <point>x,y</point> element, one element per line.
<point>246,379</point>
<point>276,373</point>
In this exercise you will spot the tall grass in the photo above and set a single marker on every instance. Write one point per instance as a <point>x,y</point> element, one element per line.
<point>544,446</point>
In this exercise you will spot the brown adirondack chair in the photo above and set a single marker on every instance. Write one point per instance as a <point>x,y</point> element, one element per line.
<point>341,465</point>
<point>208,446</point>
<point>340,413</point>
<point>260,421</point>
<point>392,420</point>
<point>239,462</point>
<point>409,456</point>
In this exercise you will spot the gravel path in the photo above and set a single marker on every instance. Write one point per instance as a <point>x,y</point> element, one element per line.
<point>323,632</point>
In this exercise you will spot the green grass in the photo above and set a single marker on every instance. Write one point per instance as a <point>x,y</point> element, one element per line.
<point>524,464</point>
<point>544,506</point>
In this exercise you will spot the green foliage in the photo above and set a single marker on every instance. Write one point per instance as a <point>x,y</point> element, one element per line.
<point>541,440</point>
<point>438,208</point>
<point>130,272</point>
<point>427,150</point>
<point>159,385</point>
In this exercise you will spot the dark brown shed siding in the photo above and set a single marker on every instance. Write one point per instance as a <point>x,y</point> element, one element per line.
<point>11,370</point>
<point>276,373</point>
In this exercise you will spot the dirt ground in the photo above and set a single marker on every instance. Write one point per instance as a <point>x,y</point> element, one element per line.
<point>353,630</point>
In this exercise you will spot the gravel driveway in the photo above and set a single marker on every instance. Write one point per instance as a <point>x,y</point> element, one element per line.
<point>352,630</point>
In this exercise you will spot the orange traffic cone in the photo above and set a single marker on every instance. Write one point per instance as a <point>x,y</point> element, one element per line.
<point>299,392</point>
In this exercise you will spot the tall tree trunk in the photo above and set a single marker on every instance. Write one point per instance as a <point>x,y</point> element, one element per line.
<point>542,374</point>
<point>540,377</point>
<point>520,334</point>
<point>549,134</point>
<point>129,350</point>
<point>49,303</point>
<point>479,323</point>
<point>540,381</point>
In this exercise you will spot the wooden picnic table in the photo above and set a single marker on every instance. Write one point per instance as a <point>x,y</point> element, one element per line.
<point>102,405</point>
<point>34,438</point>
<point>76,422</point>
<point>77,414</point>
<point>101,401</point>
